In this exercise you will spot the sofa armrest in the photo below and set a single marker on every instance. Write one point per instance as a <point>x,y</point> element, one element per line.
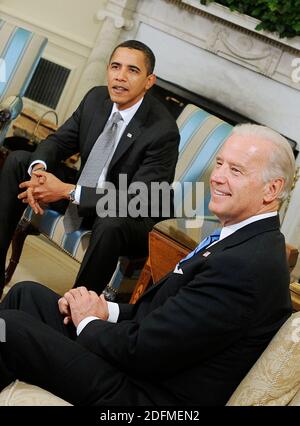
<point>22,394</point>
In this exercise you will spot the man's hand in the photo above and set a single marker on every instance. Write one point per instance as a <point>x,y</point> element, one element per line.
<point>64,309</point>
<point>28,197</point>
<point>43,188</point>
<point>84,303</point>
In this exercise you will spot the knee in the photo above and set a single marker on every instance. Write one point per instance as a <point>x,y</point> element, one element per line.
<point>16,159</point>
<point>109,226</point>
<point>22,286</point>
<point>19,293</point>
<point>11,318</point>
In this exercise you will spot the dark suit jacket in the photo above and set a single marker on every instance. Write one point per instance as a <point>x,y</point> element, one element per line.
<point>147,150</point>
<point>193,336</point>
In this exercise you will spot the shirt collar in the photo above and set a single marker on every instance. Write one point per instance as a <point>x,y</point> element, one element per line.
<point>230,229</point>
<point>127,114</point>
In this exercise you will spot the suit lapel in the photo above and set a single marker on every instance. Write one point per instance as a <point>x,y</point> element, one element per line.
<point>132,132</point>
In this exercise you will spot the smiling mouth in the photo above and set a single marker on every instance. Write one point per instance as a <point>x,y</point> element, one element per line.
<point>221,193</point>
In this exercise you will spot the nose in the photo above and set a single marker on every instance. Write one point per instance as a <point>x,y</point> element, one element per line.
<point>121,75</point>
<point>218,174</point>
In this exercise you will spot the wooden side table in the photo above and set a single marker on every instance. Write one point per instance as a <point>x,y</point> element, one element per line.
<point>167,245</point>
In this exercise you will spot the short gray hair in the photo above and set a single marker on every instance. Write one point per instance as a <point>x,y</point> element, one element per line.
<point>281,161</point>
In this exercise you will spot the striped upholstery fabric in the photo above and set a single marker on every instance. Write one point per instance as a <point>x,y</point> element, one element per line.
<point>20,51</point>
<point>51,225</point>
<point>202,135</point>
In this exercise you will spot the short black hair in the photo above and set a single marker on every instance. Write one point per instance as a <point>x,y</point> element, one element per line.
<point>138,45</point>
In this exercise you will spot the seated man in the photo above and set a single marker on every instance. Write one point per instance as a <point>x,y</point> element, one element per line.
<point>192,337</point>
<point>124,136</point>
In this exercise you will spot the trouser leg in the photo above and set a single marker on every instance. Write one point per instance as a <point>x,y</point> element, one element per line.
<point>14,172</point>
<point>39,349</point>
<point>40,302</point>
<point>110,239</point>
<point>38,354</point>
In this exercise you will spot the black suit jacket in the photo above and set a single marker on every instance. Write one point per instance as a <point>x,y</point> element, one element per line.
<point>193,336</point>
<point>147,150</point>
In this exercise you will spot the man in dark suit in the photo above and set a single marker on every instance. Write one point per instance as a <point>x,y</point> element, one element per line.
<point>145,151</point>
<point>192,337</point>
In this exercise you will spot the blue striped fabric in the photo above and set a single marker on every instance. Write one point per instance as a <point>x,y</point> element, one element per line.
<point>204,134</point>
<point>207,151</point>
<point>20,51</point>
<point>13,53</point>
<point>71,241</point>
<point>187,131</point>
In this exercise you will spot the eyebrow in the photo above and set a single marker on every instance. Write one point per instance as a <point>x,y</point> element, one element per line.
<point>239,165</point>
<point>128,66</point>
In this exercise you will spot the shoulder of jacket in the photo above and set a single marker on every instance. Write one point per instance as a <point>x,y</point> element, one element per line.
<point>97,91</point>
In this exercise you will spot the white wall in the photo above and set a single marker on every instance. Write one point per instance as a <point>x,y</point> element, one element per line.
<point>71,28</point>
<point>73,18</point>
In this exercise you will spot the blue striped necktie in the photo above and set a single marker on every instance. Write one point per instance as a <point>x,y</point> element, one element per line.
<point>204,243</point>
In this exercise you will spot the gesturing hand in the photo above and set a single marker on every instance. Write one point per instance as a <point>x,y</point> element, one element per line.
<point>43,187</point>
<point>28,195</point>
<point>84,303</point>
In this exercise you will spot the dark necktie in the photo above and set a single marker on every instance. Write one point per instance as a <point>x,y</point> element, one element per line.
<point>93,168</point>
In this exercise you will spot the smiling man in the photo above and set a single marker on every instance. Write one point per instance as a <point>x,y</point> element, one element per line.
<point>119,130</point>
<point>192,337</point>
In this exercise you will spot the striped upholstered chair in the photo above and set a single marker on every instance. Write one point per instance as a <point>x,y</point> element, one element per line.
<point>20,51</point>
<point>202,134</point>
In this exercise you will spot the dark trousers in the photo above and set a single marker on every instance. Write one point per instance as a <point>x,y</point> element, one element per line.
<point>111,237</point>
<point>41,350</point>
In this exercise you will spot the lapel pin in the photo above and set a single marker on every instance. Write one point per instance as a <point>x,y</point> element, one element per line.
<point>129,135</point>
<point>207,253</point>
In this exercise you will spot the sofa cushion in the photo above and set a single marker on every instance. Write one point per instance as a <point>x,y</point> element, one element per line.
<point>275,377</point>
<point>22,394</point>
<point>296,400</point>
<point>51,225</point>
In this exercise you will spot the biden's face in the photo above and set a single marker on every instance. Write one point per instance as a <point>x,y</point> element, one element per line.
<point>236,184</point>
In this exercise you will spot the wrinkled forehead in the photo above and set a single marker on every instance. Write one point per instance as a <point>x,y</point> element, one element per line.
<point>247,148</point>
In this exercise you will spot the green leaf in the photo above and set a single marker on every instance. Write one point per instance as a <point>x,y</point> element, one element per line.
<point>282,16</point>
<point>296,26</point>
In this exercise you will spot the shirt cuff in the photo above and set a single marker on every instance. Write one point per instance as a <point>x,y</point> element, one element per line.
<point>83,323</point>
<point>113,312</point>
<point>77,194</point>
<point>113,315</point>
<point>36,162</point>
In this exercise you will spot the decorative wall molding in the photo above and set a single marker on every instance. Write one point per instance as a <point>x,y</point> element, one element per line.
<point>222,13</point>
<point>245,50</point>
<point>232,35</point>
<point>119,21</point>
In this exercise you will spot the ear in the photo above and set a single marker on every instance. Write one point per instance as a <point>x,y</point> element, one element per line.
<point>273,189</point>
<point>151,80</point>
